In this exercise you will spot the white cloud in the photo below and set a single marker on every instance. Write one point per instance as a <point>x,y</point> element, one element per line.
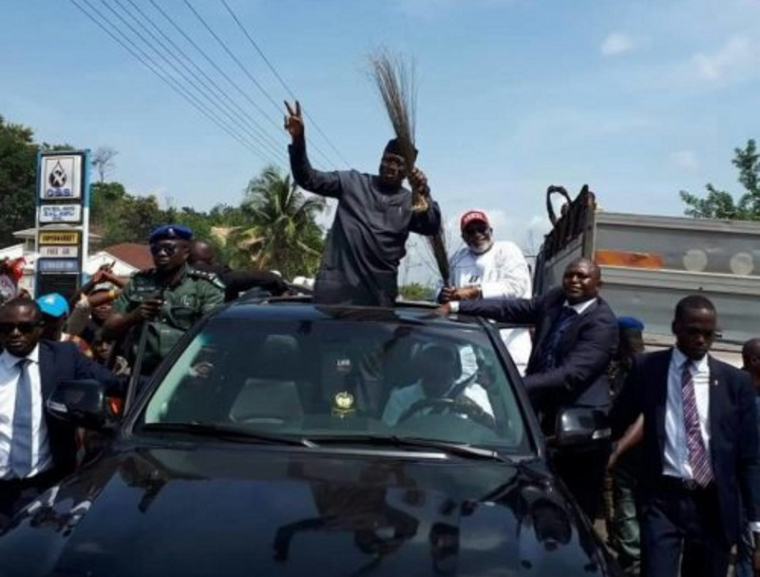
<point>617,43</point>
<point>685,159</point>
<point>737,54</point>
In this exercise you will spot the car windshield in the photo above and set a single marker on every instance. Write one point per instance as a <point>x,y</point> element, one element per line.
<point>329,379</point>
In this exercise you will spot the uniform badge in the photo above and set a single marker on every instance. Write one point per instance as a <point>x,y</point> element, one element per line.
<point>343,404</point>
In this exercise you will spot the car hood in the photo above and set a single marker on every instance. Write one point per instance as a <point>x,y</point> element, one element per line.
<point>194,511</point>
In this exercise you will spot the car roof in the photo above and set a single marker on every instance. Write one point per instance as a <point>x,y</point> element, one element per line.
<point>300,308</point>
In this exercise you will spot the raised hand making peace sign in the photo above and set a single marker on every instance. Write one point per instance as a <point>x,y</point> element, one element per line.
<point>294,121</point>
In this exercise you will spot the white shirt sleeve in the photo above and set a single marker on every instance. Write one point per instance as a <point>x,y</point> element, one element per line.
<point>512,278</point>
<point>479,396</point>
<point>399,401</point>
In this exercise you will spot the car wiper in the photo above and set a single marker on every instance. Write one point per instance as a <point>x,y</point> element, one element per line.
<point>459,449</point>
<point>227,432</point>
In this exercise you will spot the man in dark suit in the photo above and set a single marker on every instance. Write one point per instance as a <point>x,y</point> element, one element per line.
<point>699,463</point>
<point>35,449</point>
<point>575,336</point>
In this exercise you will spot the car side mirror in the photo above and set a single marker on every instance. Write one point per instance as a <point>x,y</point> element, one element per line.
<point>581,426</point>
<point>82,403</point>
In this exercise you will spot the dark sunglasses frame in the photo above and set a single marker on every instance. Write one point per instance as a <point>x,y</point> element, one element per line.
<point>24,328</point>
<point>476,228</point>
<point>169,249</point>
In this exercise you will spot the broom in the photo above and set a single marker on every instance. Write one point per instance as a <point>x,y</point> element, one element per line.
<point>395,81</point>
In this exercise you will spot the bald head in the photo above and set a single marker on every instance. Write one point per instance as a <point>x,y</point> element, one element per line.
<point>581,281</point>
<point>596,272</point>
<point>202,253</point>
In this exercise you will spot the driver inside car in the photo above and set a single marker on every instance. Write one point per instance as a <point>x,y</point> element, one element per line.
<point>440,373</point>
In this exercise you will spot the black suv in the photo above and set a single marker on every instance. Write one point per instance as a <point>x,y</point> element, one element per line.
<point>287,439</point>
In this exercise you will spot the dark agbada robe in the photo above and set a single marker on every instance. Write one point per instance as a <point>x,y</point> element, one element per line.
<point>367,239</point>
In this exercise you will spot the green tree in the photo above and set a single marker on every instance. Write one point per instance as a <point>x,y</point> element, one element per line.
<point>720,203</point>
<point>120,217</point>
<point>415,292</point>
<point>18,176</point>
<point>280,231</point>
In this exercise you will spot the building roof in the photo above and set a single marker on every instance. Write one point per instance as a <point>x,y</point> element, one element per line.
<point>31,233</point>
<point>132,253</point>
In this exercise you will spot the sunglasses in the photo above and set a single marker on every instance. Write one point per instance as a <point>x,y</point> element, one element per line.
<point>168,249</point>
<point>24,328</point>
<point>476,229</point>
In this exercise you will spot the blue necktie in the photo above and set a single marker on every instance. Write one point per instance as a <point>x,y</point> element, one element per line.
<point>549,348</point>
<point>21,442</point>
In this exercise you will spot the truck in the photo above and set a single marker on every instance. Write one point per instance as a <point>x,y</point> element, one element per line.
<point>650,262</point>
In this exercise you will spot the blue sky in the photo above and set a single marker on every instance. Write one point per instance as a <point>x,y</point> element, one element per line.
<point>640,99</point>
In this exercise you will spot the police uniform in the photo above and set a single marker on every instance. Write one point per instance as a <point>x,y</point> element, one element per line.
<point>184,302</point>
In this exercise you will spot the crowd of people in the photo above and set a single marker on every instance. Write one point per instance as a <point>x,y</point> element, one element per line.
<point>682,463</point>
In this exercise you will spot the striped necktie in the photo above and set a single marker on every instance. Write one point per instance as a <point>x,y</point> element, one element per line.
<point>21,441</point>
<point>699,458</point>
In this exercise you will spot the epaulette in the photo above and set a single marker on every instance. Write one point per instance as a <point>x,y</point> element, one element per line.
<point>212,277</point>
<point>145,272</point>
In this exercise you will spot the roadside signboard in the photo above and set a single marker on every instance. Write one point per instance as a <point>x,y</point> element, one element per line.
<point>71,213</point>
<point>53,251</point>
<point>61,176</point>
<point>63,199</point>
<point>59,237</point>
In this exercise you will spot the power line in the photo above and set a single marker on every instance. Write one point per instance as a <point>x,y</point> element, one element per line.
<point>259,134</point>
<point>189,81</point>
<point>206,76</point>
<point>244,69</point>
<point>147,62</point>
<point>208,59</point>
<point>279,78</point>
<point>235,59</point>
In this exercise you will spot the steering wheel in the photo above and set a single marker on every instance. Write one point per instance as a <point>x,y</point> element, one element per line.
<point>461,405</point>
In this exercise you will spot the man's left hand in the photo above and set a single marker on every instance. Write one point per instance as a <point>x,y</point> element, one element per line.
<point>443,310</point>
<point>465,293</point>
<point>419,182</point>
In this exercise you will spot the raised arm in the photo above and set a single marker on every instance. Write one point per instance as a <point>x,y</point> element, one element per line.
<point>322,183</point>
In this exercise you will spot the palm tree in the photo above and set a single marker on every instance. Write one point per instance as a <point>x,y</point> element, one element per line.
<point>280,232</point>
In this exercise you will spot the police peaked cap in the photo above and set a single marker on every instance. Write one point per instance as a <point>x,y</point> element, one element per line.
<point>171,232</point>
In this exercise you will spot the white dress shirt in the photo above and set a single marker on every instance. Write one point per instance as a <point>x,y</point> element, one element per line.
<point>676,455</point>
<point>580,308</point>
<point>500,272</point>
<point>403,398</point>
<point>9,377</point>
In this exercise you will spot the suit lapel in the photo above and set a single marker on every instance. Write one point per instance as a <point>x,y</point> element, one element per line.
<point>717,397</point>
<point>552,312</point>
<point>659,379</point>
<point>47,369</point>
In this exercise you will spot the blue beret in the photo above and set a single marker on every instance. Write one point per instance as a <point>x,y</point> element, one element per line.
<point>630,323</point>
<point>171,231</point>
<point>53,304</point>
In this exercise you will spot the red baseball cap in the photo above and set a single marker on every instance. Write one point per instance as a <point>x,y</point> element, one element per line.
<point>473,216</point>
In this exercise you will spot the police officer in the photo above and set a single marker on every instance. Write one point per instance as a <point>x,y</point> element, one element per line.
<point>167,300</point>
